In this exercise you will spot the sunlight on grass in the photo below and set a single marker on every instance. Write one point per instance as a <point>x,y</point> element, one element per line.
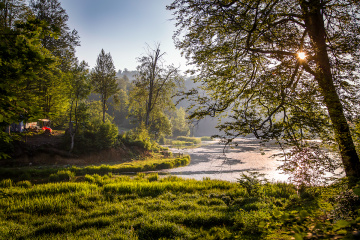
<point>150,207</point>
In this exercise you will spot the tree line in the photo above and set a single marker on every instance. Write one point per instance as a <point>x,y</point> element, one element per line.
<point>41,77</point>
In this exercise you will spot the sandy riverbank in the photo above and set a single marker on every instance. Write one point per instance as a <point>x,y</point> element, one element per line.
<point>215,162</point>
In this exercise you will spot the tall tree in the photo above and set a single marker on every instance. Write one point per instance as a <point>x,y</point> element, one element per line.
<point>80,89</point>
<point>63,42</point>
<point>287,69</point>
<point>12,11</point>
<point>103,79</point>
<point>22,60</point>
<point>155,84</point>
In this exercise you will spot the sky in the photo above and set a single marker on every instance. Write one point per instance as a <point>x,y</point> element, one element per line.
<point>124,28</point>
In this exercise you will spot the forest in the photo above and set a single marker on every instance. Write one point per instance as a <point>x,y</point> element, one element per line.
<point>43,79</point>
<point>82,149</point>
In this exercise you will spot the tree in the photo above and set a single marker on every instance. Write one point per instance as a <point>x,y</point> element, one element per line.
<point>12,11</point>
<point>22,60</point>
<point>286,69</point>
<point>103,79</point>
<point>154,86</point>
<point>63,42</point>
<point>80,90</point>
<point>180,127</point>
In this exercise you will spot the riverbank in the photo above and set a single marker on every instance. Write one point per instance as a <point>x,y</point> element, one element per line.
<point>214,161</point>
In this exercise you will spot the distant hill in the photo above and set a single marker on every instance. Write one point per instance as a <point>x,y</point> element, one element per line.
<point>129,74</point>
<point>206,126</point>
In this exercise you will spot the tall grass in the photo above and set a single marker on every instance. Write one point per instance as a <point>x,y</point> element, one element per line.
<point>69,173</point>
<point>149,206</point>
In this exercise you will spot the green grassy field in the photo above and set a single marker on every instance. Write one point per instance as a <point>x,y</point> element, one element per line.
<point>154,207</point>
<point>147,164</point>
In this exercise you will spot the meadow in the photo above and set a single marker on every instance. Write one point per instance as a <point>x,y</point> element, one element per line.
<point>155,162</point>
<point>149,206</point>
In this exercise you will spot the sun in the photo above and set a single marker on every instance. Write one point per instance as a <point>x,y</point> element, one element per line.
<point>301,55</point>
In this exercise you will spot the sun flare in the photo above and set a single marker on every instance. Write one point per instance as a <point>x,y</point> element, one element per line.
<point>301,55</point>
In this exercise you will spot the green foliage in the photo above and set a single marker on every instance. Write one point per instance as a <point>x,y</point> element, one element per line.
<point>67,174</point>
<point>62,175</point>
<point>252,182</point>
<point>356,134</point>
<point>180,126</point>
<point>6,145</point>
<point>151,95</point>
<point>103,79</point>
<point>24,184</point>
<point>6,183</point>
<point>245,55</point>
<point>189,139</point>
<point>96,135</point>
<point>139,137</point>
<point>153,177</point>
<point>206,138</point>
<point>148,207</point>
<point>175,143</point>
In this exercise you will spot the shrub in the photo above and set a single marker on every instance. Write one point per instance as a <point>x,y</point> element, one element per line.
<point>206,138</point>
<point>189,139</point>
<point>95,136</point>
<point>139,137</point>
<point>252,182</point>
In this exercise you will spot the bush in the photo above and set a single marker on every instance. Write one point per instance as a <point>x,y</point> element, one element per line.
<point>139,137</point>
<point>206,138</point>
<point>194,140</point>
<point>95,136</point>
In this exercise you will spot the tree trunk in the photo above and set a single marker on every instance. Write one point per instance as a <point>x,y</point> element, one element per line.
<point>315,25</point>
<point>148,109</point>
<point>104,109</point>
<point>72,135</point>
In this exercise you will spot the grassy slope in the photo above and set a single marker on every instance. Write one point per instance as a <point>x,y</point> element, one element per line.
<point>149,207</point>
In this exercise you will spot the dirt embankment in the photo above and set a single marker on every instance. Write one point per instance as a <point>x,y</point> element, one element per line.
<point>46,149</point>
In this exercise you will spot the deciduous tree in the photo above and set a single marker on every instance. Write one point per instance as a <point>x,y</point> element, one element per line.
<point>154,88</point>
<point>286,69</point>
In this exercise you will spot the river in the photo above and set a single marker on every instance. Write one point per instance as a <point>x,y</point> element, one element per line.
<point>214,162</point>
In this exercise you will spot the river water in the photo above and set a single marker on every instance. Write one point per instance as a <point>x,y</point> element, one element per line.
<point>214,162</point>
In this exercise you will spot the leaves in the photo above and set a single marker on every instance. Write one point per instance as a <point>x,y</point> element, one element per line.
<point>154,88</point>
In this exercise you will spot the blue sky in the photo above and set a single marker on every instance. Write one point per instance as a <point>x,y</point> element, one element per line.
<point>122,27</point>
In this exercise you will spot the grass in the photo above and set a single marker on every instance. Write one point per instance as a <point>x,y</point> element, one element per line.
<point>185,142</point>
<point>147,206</point>
<point>206,138</point>
<point>67,173</point>
<point>194,140</point>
